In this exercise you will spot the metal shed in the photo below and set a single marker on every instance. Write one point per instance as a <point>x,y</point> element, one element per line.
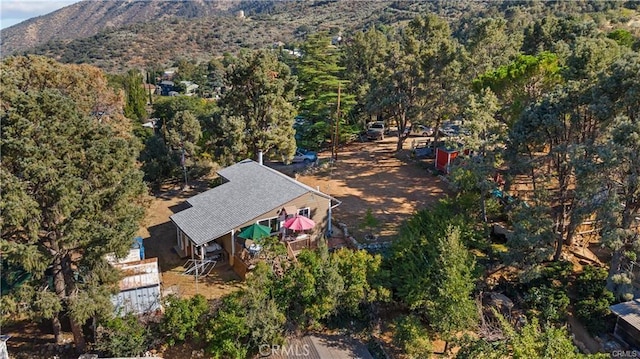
<point>139,289</point>
<point>628,322</point>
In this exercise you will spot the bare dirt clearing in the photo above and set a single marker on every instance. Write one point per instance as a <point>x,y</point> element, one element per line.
<point>373,176</point>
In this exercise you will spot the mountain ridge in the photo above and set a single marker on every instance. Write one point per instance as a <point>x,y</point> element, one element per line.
<point>133,34</point>
<point>87,18</point>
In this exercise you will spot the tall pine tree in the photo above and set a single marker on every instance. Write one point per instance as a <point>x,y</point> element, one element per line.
<point>70,195</point>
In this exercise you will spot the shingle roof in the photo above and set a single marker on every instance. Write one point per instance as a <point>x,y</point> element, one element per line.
<point>629,311</point>
<point>251,190</point>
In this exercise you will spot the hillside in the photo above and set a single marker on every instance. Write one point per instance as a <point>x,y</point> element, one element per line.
<point>127,34</point>
<point>124,34</point>
<point>87,18</point>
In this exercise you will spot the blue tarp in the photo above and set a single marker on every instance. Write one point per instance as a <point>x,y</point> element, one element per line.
<point>139,243</point>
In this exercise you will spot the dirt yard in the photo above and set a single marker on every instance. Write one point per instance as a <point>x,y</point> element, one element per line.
<point>372,176</point>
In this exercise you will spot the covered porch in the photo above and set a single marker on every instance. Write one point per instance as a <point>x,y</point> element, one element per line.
<point>201,259</point>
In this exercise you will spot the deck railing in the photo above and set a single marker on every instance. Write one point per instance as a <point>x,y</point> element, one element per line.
<point>298,244</point>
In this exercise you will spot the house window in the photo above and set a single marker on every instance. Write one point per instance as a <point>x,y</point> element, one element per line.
<point>306,212</point>
<point>274,223</point>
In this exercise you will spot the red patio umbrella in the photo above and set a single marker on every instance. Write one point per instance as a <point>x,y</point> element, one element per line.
<point>299,223</point>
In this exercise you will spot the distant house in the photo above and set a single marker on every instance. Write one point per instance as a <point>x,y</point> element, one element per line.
<point>166,87</point>
<point>151,123</point>
<point>250,193</point>
<point>628,322</point>
<point>190,88</point>
<point>169,74</point>
<point>149,88</point>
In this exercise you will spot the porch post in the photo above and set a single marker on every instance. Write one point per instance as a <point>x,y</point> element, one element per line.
<point>178,236</point>
<point>329,228</point>
<point>194,263</point>
<point>233,247</point>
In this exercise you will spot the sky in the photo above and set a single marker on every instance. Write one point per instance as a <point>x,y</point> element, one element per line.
<point>16,11</point>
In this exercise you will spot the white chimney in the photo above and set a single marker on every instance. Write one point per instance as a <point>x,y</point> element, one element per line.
<point>260,157</point>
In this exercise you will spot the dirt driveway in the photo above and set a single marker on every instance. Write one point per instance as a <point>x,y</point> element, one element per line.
<point>372,176</point>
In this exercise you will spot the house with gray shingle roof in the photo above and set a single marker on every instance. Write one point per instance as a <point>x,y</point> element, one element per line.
<point>250,193</point>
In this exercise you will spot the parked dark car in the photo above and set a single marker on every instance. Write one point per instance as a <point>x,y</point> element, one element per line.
<point>376,131</point>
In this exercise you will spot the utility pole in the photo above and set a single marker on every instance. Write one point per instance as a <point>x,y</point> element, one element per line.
<point>184,169</point>
<point>337,134</point>
<point>183,163</point>
<point>149,83</point>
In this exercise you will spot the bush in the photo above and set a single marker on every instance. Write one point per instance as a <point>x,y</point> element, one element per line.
<point>593,300</point>
<point>595,314</point>
<point>123,337</point>
<point>412,337</point>
<point>545,275</point>
<point>591,282</point>
<point>227,331</point>
<point>181,318</point>
<point>549,302</point>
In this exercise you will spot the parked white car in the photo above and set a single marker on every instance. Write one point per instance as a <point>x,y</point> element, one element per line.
<point>305,156</point>
<point>425,130</point>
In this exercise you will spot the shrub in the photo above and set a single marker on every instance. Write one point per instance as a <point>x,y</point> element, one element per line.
<point>549,302</point>
<point>593,300</point>
<point>591,282</point>
<point>595,314</point>
<point>227,331</point>
<point>123,337</point>
<point>412,337</point>
<point>181,318</point>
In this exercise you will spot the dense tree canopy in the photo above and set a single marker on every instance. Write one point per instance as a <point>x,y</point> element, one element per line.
<point>71,194</point>
<point>85,84</point>
<point>260,94</point>
<point>547,93</point>
<point>433,271</point>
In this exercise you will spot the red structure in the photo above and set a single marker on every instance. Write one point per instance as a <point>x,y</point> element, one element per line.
<point>444,157</point>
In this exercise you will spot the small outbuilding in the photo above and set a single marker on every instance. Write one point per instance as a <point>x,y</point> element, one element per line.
<point>628,322</point>
<point>139,288</point>
<point>444,158</point>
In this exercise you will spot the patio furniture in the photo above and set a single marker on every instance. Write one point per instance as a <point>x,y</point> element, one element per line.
<point>213,247</point>
<point>254,249</point>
